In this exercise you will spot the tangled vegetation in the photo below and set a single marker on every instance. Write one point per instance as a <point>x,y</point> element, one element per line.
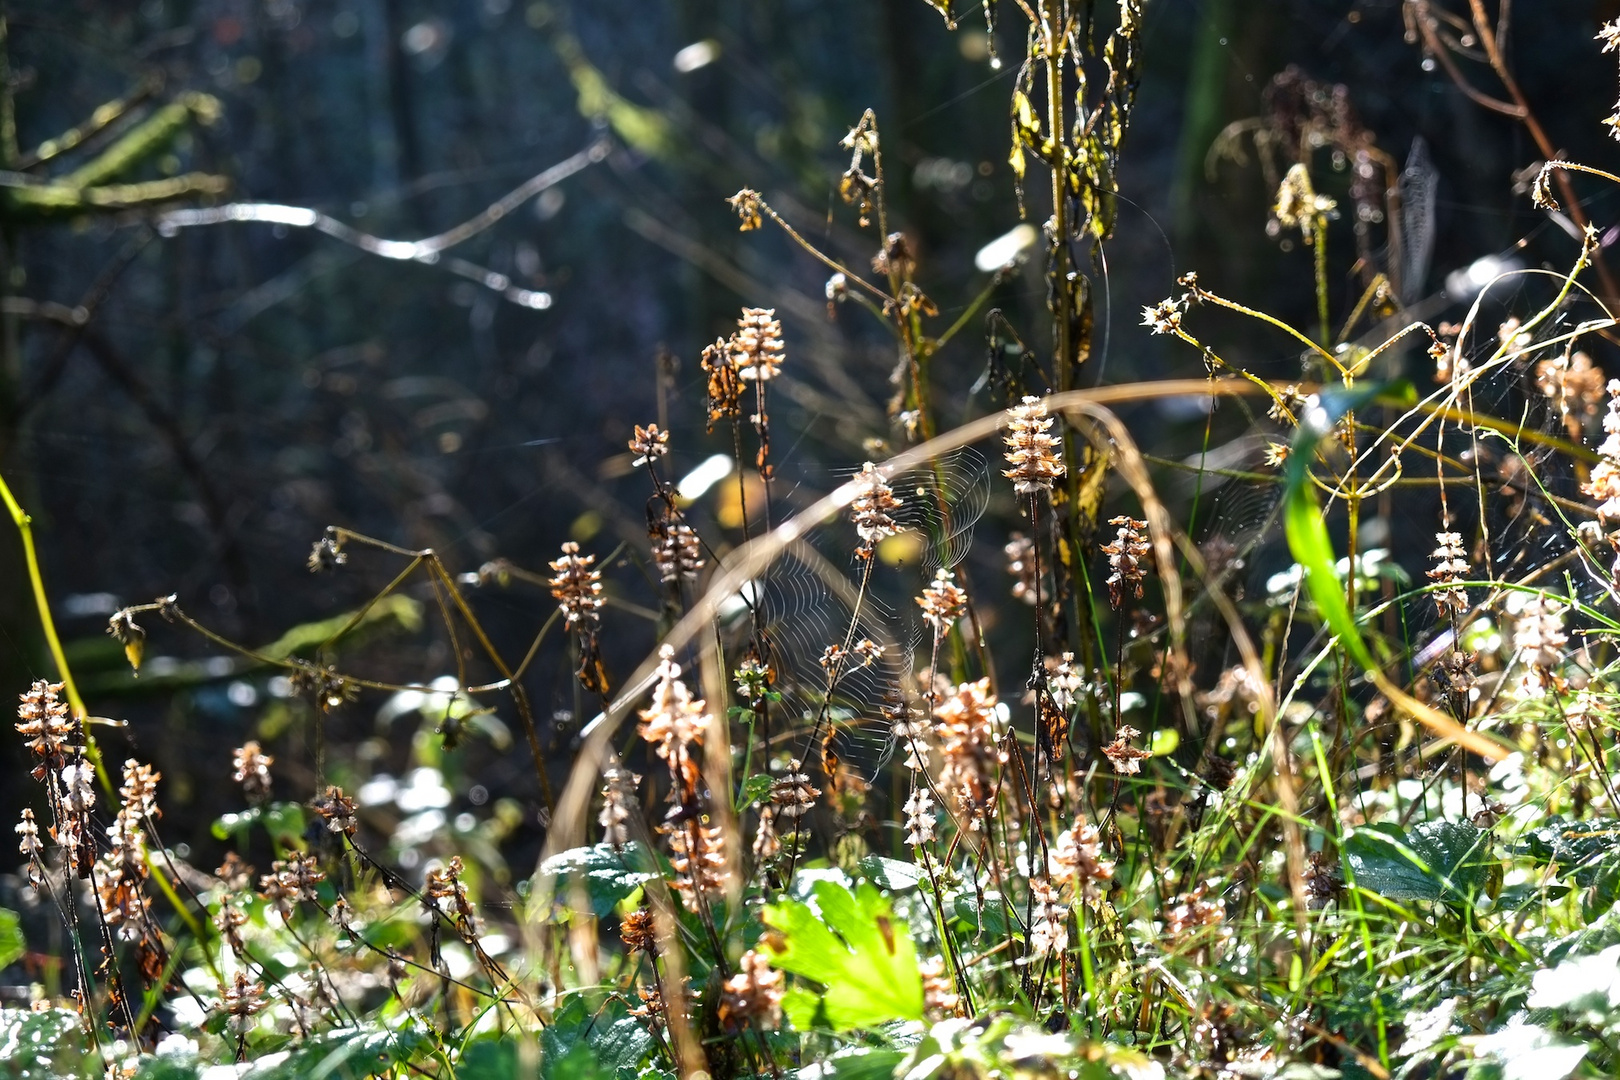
<point>861,814</point>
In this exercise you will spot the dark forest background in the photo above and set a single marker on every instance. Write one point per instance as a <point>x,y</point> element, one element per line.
<point>185,410</point>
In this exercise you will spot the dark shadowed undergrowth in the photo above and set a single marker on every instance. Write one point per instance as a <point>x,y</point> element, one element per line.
<point>1013,748</point>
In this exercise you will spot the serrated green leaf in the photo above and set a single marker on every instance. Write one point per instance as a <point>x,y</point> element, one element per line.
<point>608,875</point>
<point>1437,860</point>
<point>12,944</point>
<point>892,874</point>
<point>856,948</point>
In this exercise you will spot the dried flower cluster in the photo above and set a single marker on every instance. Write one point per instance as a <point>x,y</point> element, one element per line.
<point>675,724</point>
<point>250,767</point>
<point>337,810</point>
<point>792,795</point>
<point>1033,453</point>
<point>753,995</point>
<point>943,601</point>
<point>1076,860</point>
<point>1126,759</point>
<point>618,802</point>
<point>648,444</point>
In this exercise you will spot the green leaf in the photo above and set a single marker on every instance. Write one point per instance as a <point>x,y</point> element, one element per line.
<point>892,874</point>
<point>754,789</point>
<point>349,1054</point>
<point>12,944</point>
<point>988,918</point>
<point>1437,860</point>
<point>42,1045</point>
<point>580,1044</point>
<point>861,1063</point>
<point>284,821</point>
<point>1304,523</point>
<point>608,875</point>
<point>856,948</point>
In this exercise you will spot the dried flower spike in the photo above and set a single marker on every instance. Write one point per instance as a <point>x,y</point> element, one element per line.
<point>920,818</point>
<point>677,553</point>
<point>1450,569</point>
<point>1076,858</point>
<point>697,854</point>
<point>576,587</point>
<point>724,391</point>
<point>872,510</point>
<point>337,810</point>
<point>1126,557</point>
<point>970,730</point>
<point>1032,454</point>
<point>251,769</point>
<point>757,347</point>
<point>48,728</point>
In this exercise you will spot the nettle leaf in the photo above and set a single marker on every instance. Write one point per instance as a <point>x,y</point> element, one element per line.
<point>855,947</point>
<point>580,1043</point>
<point>609,875</point>
<point>892,874</point>
<point>1437,860</point>
<point>1577,848</point>
<point>42,1045</point>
